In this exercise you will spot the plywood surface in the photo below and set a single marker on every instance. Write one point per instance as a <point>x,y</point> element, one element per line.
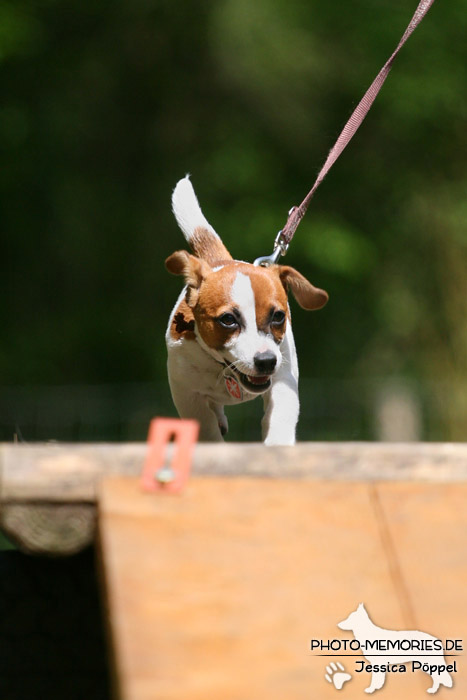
<point>216,594</point>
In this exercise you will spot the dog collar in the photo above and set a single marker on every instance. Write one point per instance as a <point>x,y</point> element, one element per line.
<point>233,387</point>
<point>232,384</point>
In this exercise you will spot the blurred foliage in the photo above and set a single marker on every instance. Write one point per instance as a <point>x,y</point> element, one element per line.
<point>106,105</point>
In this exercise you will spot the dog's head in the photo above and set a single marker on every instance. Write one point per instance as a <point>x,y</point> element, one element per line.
<point>356,618</point>
<point>241,312</point>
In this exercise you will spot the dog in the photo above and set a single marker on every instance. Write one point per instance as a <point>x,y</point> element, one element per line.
<point>229,337</point>
<point>369,635</point>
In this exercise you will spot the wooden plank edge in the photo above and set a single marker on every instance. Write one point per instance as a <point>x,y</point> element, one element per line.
<point>71,472</point>
<point>48,491</point>
<point>52,529</point>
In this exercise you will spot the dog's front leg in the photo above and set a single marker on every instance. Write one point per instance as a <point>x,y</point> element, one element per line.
<point>221,417</point>
<point>281,408</point>
<point>281,403</point>
<point>194,405</point>
<point>377,681</point>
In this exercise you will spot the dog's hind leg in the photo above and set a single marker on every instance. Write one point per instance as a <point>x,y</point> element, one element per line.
<point>440,679</point>
<point>445,679</point>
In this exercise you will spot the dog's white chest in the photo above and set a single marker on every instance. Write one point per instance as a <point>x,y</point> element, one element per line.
<point>194,371</point>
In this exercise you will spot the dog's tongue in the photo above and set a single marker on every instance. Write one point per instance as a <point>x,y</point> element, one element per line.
<point>258,380</point>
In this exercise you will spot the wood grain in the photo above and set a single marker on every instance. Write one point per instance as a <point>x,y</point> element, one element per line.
<point>34,478</point>
<point>215,594</point>
<point>71,472</point>
<point>58,529</point>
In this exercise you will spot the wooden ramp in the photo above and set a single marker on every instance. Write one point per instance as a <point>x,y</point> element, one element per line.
<point>216,594</point>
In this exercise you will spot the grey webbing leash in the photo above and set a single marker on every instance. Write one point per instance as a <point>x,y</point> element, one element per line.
<point>296,214</point>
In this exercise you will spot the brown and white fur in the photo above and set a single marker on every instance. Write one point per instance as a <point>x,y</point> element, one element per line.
<point>229,336</point>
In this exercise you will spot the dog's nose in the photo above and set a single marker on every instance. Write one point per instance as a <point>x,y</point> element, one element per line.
<point>265,362</point>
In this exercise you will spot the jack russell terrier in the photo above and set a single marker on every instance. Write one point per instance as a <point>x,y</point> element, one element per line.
<point>229,336</point>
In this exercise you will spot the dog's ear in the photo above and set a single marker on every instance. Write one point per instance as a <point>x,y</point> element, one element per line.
<point>193,269</point>
<point>308,296</point>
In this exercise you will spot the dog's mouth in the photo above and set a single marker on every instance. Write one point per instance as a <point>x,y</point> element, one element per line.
<point>254,383</point>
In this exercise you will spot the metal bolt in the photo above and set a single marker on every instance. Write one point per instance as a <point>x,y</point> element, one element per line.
<point>165,475</point>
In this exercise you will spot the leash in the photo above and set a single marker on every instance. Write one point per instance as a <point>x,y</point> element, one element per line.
<point>296,214</point>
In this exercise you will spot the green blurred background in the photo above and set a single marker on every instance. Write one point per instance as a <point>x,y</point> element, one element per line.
<point>105,105</point>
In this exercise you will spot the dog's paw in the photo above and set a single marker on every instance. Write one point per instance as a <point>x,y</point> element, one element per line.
<point>276,440</point>
<point>223,425</point>
<point>336,674</point>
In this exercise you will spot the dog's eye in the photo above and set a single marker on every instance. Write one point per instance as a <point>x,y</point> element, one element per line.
<point>278,318</point>
<point>228,321</point>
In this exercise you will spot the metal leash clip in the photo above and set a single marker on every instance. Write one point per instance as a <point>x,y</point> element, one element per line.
<point>280,248</point>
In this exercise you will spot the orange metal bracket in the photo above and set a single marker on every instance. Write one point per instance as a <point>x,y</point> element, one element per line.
<point>157,474</point>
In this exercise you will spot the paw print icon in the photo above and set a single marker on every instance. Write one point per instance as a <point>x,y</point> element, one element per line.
<point>337,675</point>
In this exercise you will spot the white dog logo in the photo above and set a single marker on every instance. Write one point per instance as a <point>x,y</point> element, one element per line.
<point>369,635</point>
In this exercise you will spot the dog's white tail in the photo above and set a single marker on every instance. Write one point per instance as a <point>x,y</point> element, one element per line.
<point>199,233</point>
